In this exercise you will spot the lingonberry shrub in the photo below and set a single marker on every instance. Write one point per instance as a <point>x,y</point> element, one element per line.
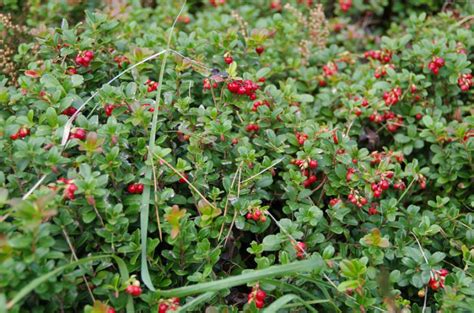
<point>283,133</point>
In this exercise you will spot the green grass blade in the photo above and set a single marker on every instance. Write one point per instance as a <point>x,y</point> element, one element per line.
<point>280,303</point>
<point>284,285</point>
<point>188,307</point>
<point>145,205</point>
<point>248,277</point>
<point>38,281</point>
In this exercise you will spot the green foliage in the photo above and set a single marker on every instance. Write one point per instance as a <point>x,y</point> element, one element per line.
<point>354,156</point>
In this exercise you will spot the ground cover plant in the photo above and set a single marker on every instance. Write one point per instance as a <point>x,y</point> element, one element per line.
<point>236,156</point>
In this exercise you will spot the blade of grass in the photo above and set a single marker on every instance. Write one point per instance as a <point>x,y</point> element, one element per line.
<point>145,205</point>
<point>38,281</point>
<point>191,306</point>
<point>280,303</point>
<point>284,285</point>
<point>248,277</point>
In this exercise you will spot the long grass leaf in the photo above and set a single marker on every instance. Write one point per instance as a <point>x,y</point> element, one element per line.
<point>280,303</point>
<point>248,277</point>
<point>145,205</point>
<point>192,305</point>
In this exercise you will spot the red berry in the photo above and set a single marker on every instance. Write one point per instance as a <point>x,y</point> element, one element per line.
<point>313,164</point>
<point>263,218</point>
<point>363,201</point>
<point>384,184</point>
<point>259,50</point>
<point>249,216</point>
<point>228,59</point>
<point>79,133</point>
<point>132,188</point>
<point>262,79</point>
<point>184,179</point>
<point>377,193</point>
<point>14,136</point>
<point>110,310</point>
<point>163,308</point>
<point>260,294</point>
<point>139,188</point>
<point>259,304</point>
<point>335,139</point>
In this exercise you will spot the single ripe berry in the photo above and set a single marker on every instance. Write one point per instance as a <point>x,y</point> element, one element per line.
<point>260,294</point>
<point>23,132</point>
<point>110,310</point>
<point>132,188</point>
<point>259,303</point>
<point>139,188</point>
<point>163,307</point>
<point>260,50</point>
<point>228,59</point>
<point>384,184</point>
<point>313,164</point>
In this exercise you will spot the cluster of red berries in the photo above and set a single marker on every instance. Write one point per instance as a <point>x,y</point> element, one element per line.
<point>69,189</point>
<point>252,127</point>
<point>257,104</point>
<point>384,56</point>
<point>216,3</point>
<point>465,81</point>
<point>373,209</point>
<point>393,96</point>
<point>135,188</point>
<point>437,279</point>
<point>206,84</point>
<point>228,59</point>
<point>121,60</point>
<point>149,107</point>
<point>307,167</point>
<point>243,87</point>
<point>134,289</point>
<point>301,137</point>
<point>258,296</point>
<point>257,215</point>
<point>84,58</point>
<point>377,157</point>
<point>21,133</point>
<point>378,188</point>
<point>394,122</point>
<point>109,109</point>
<point>300,248</point>
<point>400,185</point>
<point>436,64</point>
<point>357,200</point>
<point>69,111</point>
<point>170,304</point>
<point>350,172</point>
<point>334,201</point>
<point>71,71</point>
<point>381,71</point>
<point>345,5</point>
<point>330,69</point>
<point>152,85</point>
<point>184,19</point>
<point>78,133</point>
